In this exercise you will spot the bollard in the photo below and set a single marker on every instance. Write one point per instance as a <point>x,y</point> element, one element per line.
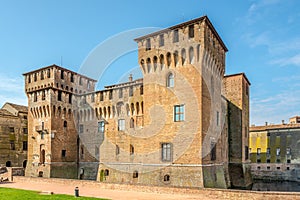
<point>76,192</point>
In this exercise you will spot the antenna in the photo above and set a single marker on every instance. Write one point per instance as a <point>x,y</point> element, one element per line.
<point>61,61</point>
<point>183,17</point>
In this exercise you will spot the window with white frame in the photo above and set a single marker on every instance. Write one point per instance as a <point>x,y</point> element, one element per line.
<point>178,113</point>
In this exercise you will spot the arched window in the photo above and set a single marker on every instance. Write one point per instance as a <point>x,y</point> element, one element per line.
<point>135,174</point>
<point>143,65</point>
<point>170,80</point>
<point>155,63</point>
<point>42,157</point>
<point>183,56</point>
<point>191,55</point>
<point>161,61</point>
<point>131,149</point>
<point>169,59</point>
<point>65,124</point>
<point>148,65</point>
<point>176,58</point>
<point>106,172</point>
<point>167,178</point>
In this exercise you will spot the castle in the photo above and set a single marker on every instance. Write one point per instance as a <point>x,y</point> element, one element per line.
<point>185,124</point>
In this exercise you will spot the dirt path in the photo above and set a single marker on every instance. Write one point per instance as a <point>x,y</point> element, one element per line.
<point>101,193</point>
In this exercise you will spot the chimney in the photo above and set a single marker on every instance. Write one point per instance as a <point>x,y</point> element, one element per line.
<point>130,77</point>
<point>266,123</point>
<point>282,121</point>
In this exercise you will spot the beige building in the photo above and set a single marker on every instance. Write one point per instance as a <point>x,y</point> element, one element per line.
<point>170,128</point>
<point>13,135</point>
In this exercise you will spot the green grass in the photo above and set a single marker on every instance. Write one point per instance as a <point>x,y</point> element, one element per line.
<point>8,194</point>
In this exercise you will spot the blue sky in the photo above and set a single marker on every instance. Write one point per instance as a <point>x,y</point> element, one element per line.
<point>262,37</point>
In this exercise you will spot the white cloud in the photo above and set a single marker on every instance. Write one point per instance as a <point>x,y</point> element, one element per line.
<point>12,90</point>
<point>260,4</point>
<point>276,108</point>
<point>293,60</point>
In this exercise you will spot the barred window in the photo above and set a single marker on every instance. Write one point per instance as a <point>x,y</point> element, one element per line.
<point>166,149</point>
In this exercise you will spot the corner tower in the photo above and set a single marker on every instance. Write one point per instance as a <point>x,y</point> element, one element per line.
<point>52,134</point>
<point>183,68</point>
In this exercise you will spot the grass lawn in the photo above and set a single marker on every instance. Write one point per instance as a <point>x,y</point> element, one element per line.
<point>8,194</point>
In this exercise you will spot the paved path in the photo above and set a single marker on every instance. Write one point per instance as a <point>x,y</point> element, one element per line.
<point>101,193</point>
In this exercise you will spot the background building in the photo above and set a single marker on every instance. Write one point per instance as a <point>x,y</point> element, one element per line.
<point>13,135</point>
<point>170,128</point>
<point>275,151</point>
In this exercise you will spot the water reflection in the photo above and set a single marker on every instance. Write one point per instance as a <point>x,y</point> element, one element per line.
<point>286,186</point>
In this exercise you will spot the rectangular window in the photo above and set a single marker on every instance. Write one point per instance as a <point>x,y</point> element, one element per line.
<point>70,98</point>
<point>278,152</point>
<point>101,96</point>
<point>25,145</point>
<point>191,31</point>
<point>268,160</point>
<point>11,129</point>
<point>121,124</point>
<point>247,89</point>
<point>42,75</point>
<point>161,40</point>
<point>175,36</point>
<point>59,96</point>
<point>12,145</point>
<point>101,127</point>
<point>166,149</point>
<point>80,128</point>
<point>218,118</point>
<point>141,90</point>
<point>110,95</point>
<point>258,151</point>
<point>120,93</point>
<point>62,74</point>
<point>268,151</point>
<point>179,113</point>
<point>131,91</point>
<point>288,151</point>
<point>213,152</point>
<point>48,73</point>
<point>72,78</point>
<point>63,153</point>
<point>80,81</point>
<point>92,98</point>
<point>25,130</point>
<point>246,152</point>
<point>148,44</point>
